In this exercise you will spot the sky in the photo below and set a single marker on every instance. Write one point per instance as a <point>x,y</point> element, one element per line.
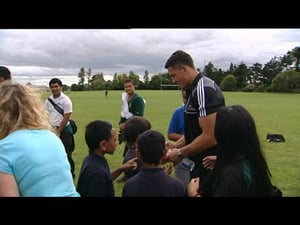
<point>37,55</point>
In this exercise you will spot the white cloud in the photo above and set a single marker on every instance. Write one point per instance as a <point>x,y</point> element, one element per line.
<point>40,54</point>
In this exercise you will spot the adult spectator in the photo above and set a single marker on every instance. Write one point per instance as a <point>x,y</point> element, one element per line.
<point>132,105</point>
<point>59,115</point>
<point>33,162</point>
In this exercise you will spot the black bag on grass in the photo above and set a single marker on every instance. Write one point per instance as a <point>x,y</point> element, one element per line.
<point>275,138</point>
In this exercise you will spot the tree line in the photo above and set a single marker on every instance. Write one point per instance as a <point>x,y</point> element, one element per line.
<point>280,74</point>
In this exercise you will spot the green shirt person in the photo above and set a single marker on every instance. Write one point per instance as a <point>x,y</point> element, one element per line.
<point>132,103</point>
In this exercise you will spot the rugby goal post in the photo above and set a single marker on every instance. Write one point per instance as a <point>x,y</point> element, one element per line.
<point>169,85</point>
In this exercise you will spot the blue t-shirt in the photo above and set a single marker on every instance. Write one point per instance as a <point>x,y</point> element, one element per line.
<point>38,161</point>
<point>177,121</point>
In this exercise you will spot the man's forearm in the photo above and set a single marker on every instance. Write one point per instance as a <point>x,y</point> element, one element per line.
<point>198,145</point>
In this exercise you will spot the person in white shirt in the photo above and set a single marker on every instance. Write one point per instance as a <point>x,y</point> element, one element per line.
<point>60,120</point>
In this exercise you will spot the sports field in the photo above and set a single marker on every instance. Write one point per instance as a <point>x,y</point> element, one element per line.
<point>273,113</point>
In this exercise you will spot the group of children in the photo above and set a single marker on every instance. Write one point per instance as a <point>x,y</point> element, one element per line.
<point>142,163</point>
<point>232,171</point>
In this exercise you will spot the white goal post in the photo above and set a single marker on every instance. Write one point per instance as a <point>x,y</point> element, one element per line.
<point>169,85</point>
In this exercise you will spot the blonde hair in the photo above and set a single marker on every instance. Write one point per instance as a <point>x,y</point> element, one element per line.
<point>21,107</point>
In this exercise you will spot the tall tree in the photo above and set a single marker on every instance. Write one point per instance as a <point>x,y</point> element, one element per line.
<point>97,82</point>
<point>115,81</point>
<point>155,82</point>
<point>270,70</point>
<point>81,76</point>
<point>288,60</point>
<point>231,68</point>
<point>255,74</point>
<point>135,78</point>
<point>241,73</point>
<point>209,69</point>
<point>89,75</point>
<point>146,77</point>
<point>296,54</point>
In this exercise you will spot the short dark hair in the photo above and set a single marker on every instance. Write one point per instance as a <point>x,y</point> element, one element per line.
<point>151,145</point>
<point>54,81</point>
<point>5,73</point>
<point>134,126</point>
<point>95,132</point>
<point>178,59</point>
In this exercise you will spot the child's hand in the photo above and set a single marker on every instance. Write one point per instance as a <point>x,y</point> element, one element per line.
<point>130,164</point>
<point>209,161</point>
<point>168,168</point>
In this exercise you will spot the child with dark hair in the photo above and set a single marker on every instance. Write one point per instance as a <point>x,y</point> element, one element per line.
<point>132,129</point>
<point>152,180</point>
<point>132,105</point>
<point>240,169</point>
<point>95,178</point>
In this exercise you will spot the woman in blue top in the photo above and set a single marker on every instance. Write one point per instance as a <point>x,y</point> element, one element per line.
<point>33,161</point>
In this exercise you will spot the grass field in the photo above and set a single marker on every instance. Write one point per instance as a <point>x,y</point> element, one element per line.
<point>273,113</point>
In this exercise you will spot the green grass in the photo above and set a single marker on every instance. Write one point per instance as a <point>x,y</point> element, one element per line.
<point>273,113</point>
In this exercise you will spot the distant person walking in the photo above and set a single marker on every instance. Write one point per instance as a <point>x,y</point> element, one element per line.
<point>106,92</point>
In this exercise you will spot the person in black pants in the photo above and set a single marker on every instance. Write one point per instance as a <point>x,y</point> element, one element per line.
<point>60,119</point>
